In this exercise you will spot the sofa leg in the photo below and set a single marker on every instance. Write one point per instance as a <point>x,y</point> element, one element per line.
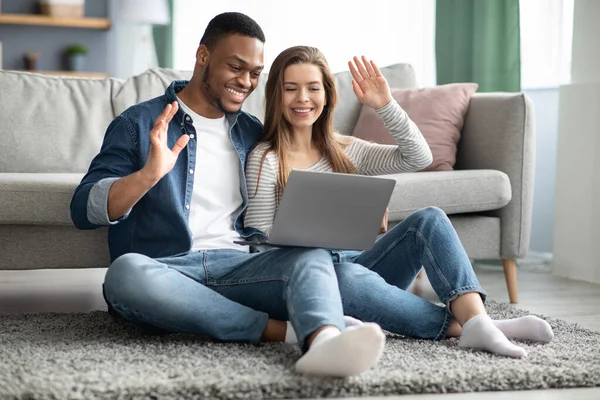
<point>510,273</point>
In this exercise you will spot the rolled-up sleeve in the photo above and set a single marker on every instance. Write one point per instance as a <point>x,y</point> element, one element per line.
<point>117,158</point>
<point>97,205</point>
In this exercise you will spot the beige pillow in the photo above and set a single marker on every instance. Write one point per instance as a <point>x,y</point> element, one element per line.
<point>439,112</point>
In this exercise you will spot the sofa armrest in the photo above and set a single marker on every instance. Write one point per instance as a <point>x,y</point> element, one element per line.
<point>499,133</point>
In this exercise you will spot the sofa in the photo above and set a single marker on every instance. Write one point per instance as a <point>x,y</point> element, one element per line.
<point>52,127</point>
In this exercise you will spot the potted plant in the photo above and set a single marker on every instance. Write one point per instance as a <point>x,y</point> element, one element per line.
<point>76,57</point>
<point>30,59</point>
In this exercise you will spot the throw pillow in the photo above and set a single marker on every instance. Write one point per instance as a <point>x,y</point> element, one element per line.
<point>438,111</point>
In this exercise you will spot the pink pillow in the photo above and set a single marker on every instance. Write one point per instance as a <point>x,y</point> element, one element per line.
<point>439,112</point>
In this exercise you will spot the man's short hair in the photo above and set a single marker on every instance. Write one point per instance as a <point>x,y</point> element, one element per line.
<point>230,23</point>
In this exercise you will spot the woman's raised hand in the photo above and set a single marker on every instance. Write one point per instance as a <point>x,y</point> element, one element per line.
<point>369,85</point>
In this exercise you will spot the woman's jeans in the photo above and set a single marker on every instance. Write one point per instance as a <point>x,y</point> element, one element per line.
<point>229,295</point>
<point>373,283</point>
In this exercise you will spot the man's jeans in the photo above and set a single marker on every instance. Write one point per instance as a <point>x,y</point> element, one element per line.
<point>226,294</point>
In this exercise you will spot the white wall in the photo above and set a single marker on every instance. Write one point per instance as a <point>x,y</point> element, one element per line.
<point>577,216</point>
<point>545,111</point>
<point>546,32</point>
<point>586,49</point>
<point>386,31</point>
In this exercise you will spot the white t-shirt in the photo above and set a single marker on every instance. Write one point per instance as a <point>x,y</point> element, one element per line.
<point>216,199</point>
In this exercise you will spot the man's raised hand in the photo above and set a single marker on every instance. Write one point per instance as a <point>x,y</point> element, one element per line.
<point>161,159</point>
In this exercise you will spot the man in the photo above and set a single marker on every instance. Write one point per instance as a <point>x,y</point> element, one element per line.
<point>169,181</point>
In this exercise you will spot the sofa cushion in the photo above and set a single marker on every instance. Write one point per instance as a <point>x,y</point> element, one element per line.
<point>348,108</point>
<point>52,124</point>
<point>439,112</point>
<point>36,198</point>
<point>145,86</point>
<point>153,83</point>
<point>455,192</point>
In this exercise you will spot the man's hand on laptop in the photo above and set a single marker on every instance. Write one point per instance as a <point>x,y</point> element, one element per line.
<point>384,223</point>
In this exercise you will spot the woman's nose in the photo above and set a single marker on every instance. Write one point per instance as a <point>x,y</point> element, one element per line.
<point>303,95</point>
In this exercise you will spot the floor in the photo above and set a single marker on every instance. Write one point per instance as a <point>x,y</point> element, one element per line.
<point>539,292</point>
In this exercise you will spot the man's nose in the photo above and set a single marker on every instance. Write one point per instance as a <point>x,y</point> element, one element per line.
<point>244,80</point>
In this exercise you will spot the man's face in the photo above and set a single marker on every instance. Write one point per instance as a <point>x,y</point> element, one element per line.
<point>232,71</point>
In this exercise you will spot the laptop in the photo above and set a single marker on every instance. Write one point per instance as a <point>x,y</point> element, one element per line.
<point>329,210</point>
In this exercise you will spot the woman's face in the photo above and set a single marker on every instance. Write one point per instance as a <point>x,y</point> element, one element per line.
<point>303,95</point>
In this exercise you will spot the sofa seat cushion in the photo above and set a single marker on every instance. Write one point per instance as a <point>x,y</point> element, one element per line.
<point>44,199</point>
<point>37,199</point>
<point>455,192</point>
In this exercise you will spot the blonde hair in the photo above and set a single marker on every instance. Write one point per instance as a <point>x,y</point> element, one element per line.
<point>278,131</point>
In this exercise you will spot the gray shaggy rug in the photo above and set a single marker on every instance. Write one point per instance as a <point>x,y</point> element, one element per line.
<point>93,356</point>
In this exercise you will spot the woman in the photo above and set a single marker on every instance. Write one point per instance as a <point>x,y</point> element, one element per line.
<point>298,134</point>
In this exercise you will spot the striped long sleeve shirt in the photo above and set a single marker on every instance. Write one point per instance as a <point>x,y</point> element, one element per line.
<point>412,153</point>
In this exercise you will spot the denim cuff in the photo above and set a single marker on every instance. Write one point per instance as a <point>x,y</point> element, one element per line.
<point>97,204</point>
<point>453,295</point>
<point>444,329</point>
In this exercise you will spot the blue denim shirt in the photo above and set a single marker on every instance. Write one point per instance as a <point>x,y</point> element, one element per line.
<point>157,225</point>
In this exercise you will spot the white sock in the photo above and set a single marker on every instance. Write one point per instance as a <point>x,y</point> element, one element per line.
<point>349,321</point>
<point>346,353</point>
<point>528,327</point>
<point>480,333</point>
<point>290,334</point>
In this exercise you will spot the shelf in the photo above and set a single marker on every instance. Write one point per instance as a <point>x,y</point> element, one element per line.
<point>78,74</point>
<point>45,20</point>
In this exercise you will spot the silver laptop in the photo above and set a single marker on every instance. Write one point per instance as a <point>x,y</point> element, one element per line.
<point>329,210</point>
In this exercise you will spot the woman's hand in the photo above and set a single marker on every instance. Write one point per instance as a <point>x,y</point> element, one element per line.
<point>369,85</point>
<point>384,222</point>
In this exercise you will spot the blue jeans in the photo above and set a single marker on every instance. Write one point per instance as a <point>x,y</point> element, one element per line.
<point>226,294</point>
<point>229,295</point>
<point>373,283</point>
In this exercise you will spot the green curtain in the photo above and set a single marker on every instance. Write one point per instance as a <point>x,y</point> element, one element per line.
<point>163,41</point>
<point>479,41</point>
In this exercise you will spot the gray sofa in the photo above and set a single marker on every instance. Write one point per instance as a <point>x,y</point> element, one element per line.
<point>52,127</point>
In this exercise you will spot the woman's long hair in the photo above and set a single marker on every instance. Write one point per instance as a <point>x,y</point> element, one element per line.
<point>278,131</point>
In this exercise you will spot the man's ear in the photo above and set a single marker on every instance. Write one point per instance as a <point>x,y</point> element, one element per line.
<point>202,55</point>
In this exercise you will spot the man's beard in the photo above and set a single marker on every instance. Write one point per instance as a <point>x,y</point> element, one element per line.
<point>214,99</point>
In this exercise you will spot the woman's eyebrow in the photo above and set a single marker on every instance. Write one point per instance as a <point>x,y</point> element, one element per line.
<point>295,83</point>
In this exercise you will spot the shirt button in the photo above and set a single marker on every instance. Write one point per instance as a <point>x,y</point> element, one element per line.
<point>187,206</point>
<point>191,136</point>
<point>191,171</point>
<point>187,118</point>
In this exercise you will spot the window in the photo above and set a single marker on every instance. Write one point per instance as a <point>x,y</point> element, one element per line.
<point>386,31</point>
<point>546,36</point>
